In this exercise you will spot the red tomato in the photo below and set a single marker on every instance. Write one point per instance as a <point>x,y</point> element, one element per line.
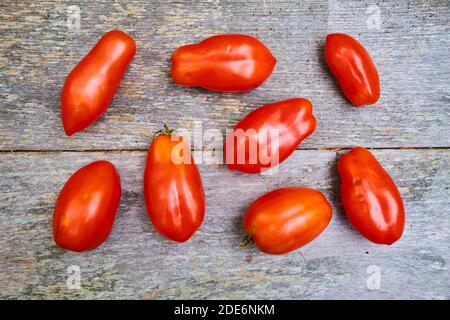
<point>285,219</point>
<point>173,188</point>
<point>354,69</point>
<point>268,135</point>
<point>229,63</point>
<point>86,207</point>
<point>371,199</point>
<point>91,85</point>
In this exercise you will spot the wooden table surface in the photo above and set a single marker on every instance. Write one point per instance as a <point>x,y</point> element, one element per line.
<point>407,130</point>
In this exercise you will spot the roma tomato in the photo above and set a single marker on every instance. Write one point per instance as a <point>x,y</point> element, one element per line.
<point>371,199</point>
<point>91,85</point>
<point>268,135</point>
<point>285,219</point>
<point>228,63</point>
<point>173,188</point>
<point>354,69</point>
<point>86,207</point>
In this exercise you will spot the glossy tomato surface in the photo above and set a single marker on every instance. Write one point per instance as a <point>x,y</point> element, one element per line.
<point>91,85</point>
<point>173,188</point>
<point>354,69</point>
<point>268,135</point>
<point>371,199</point>
<point>285,219</point>
<point>86,207</point>
<point>228,63</point>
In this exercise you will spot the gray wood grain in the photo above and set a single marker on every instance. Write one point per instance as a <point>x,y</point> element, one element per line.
<point>410,49</point>
<point>136,262</point>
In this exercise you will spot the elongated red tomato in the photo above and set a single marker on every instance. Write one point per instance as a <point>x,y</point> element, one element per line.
<point>285,219</point>
<point>86,207</point>
<point>354,69</point>
<point>268,135</point>
<point>91,85</point>
<point>173,188</point>
<point>229,63</point>
<point>371,200</point>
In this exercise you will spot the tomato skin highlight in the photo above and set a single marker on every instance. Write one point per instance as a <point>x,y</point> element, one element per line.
<point>354,69</point>
<point>91,85</point>
<point>173,191</point>
<point>286,219</point>
<point>294,120</point>
<point>226,63</point>
<point>86,207</point>
<point>370,197</point>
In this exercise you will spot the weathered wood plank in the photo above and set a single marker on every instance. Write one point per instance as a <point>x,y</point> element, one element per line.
<point>135,262</point>
<point>410,49</point>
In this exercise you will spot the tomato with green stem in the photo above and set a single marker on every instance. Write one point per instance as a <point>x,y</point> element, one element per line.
<point>286,219</point>
<point>173,187</point>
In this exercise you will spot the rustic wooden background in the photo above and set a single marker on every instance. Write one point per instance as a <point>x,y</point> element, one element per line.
<point>408,130</point>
